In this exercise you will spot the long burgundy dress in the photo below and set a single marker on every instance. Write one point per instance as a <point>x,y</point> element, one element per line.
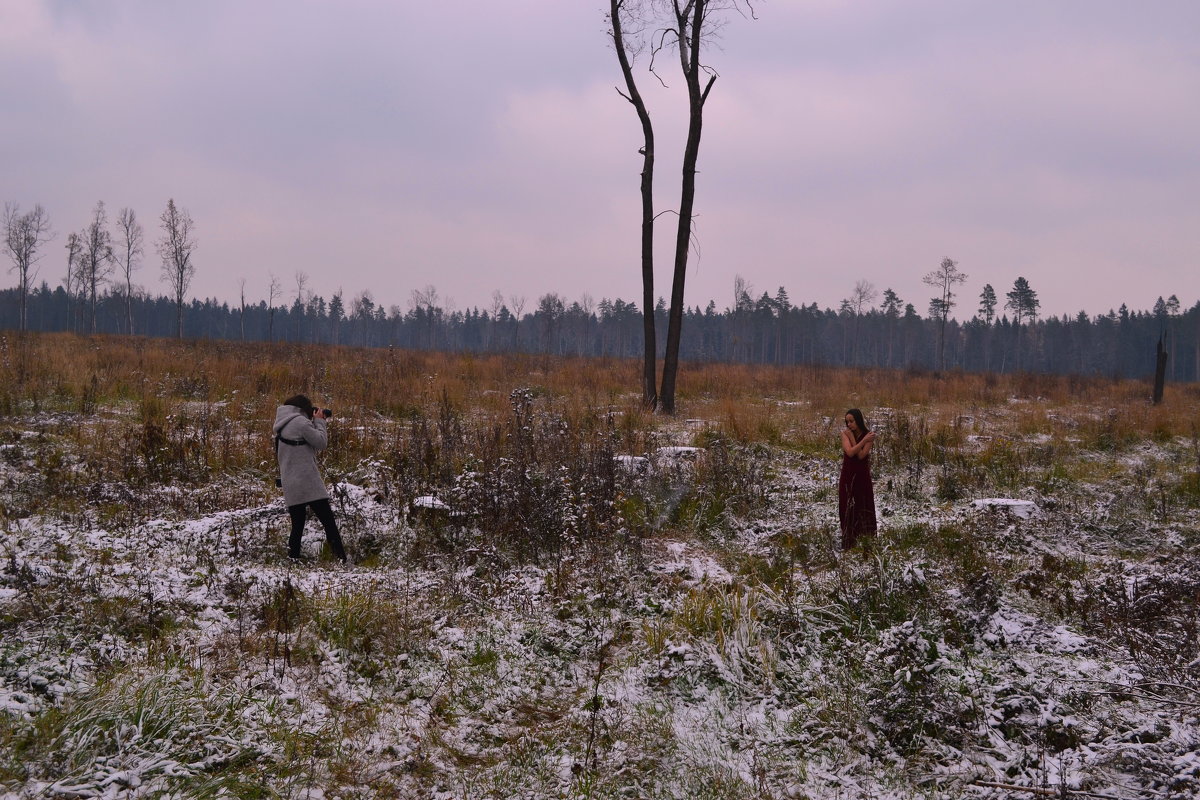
<point>856,500</point>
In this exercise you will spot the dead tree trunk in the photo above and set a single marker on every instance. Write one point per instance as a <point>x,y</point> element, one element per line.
<point>690,18</point>
<point>650,343</point>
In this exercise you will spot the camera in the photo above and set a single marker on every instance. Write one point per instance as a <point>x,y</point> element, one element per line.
<point>326,412</point>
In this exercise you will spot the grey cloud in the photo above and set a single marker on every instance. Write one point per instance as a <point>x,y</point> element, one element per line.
<point>481,145</point>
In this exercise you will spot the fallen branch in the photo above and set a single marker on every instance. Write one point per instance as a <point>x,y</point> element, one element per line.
<point>1141,692</point>
<point>1060,792</point>
<point>1151,697</point>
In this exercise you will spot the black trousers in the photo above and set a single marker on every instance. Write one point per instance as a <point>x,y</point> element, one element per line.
<point>324,512</point>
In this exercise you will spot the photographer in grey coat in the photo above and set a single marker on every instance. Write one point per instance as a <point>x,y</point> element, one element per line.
<point>300,433</point>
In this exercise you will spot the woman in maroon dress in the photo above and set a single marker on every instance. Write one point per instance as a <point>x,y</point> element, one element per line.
<point>856,497</point>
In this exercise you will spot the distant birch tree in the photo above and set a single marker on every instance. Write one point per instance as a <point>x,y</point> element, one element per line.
<point>861,298</point>
<point>129,250</point>
<point>176,247</point>
<point>274,287</point>
<point>424,306</point>
<point>242,307</point>
<point>301,298</point>
<point>517,301</point>
<point>96,259</point>
<point>70,282</point>
<point>497,308</point>
<point>24,235</point>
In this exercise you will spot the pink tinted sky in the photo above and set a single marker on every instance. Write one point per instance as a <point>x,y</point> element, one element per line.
<point>477,146</point>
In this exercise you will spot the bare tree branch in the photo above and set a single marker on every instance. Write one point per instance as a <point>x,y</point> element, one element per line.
<point>176,246</point>
<point>129,250</point>
<point>96,258</point>
<point>24,235</point>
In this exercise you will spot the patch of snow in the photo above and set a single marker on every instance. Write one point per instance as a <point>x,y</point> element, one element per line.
<point>632,464</point>
<point>695,567</point>
<point>1024,509</point>
<point>431,502</point>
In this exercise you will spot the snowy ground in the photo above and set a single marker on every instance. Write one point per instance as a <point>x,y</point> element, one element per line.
<point>171,653</point>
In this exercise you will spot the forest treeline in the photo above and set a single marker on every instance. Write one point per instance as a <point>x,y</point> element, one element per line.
<point>769,330</point>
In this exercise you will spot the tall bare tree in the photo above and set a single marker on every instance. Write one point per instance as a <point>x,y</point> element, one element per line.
<point>624,15</point>
<point>687,26</point>
<point>96,259</point>
<point>496,308</point>
<point>691,18</point>
<point>587,307</point>
<point>550,311</point>
<point>861,298</point>
<point>424,305</point>
<point>70,282</point>
<point>129,249</point>
<point>301,300</point>
<point>274,287</point>
<point>176,247</point>
<point>24,235</point>
<point>944,279</point>
<point>517,301</point>
<point>743,311</point>
<point>242,307</point>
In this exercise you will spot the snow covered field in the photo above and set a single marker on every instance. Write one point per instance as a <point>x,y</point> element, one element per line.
<point>578,620</point>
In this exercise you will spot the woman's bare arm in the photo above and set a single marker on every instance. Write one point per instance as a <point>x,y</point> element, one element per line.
<point>859,449</point>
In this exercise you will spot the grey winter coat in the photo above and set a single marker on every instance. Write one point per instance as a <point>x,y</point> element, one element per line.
<point>298,463</point>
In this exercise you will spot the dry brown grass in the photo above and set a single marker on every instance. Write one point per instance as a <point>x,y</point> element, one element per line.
<point>65,372</point>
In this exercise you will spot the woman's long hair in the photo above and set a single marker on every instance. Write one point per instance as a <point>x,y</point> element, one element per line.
<point>860,422</point>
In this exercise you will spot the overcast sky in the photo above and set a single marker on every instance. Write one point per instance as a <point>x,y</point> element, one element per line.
<point>476,145</point>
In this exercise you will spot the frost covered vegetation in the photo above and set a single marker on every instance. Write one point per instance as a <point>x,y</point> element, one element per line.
<point>601,603</point>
